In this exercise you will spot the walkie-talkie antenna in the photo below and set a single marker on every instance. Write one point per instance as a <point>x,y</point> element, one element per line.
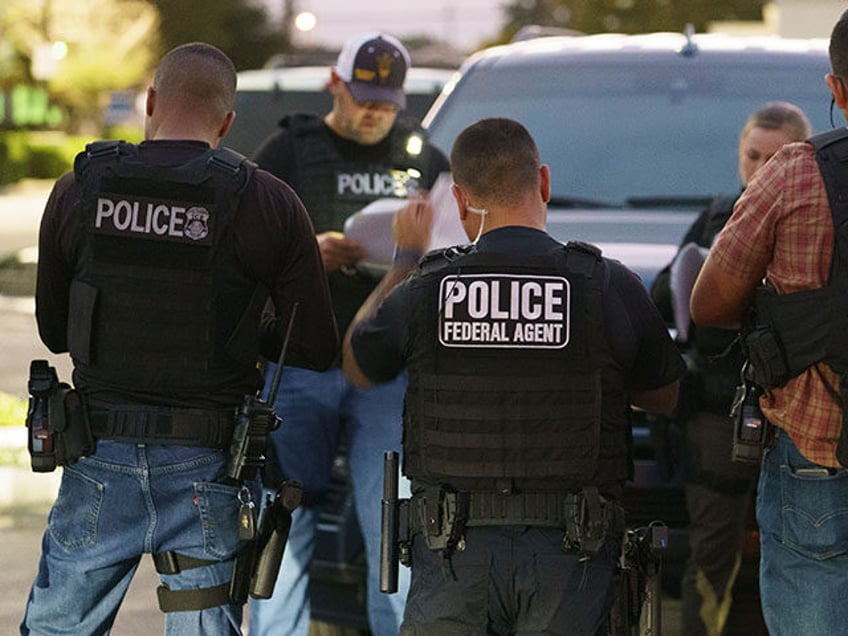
<point>275,383</point>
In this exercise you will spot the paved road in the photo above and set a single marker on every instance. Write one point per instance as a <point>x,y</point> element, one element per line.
<point>20,213</point>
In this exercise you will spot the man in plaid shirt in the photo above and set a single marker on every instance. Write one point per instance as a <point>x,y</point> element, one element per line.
<point>782,231</point>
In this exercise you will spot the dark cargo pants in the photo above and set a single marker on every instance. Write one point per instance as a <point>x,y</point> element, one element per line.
<point>509,580</point>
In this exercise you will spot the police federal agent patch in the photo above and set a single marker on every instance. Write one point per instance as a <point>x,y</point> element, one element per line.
<point>505,311</point>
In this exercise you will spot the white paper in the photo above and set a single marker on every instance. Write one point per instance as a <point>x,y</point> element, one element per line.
<point>372,225</point>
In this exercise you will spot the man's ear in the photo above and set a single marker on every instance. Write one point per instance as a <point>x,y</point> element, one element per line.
<point>150,101</point>
<point>227,123</point>
<point>335,83</point>
<point>460,201</point>
<point>838,90</point>
<point>545,182</point>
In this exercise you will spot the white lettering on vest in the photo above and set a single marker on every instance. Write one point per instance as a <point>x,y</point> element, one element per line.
<point>504,310</point>
<point>392,183</point>
<point>145,217</point>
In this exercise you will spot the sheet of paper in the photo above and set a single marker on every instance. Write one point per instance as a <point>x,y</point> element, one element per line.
<point>447,230</point>
<point>372,225</point>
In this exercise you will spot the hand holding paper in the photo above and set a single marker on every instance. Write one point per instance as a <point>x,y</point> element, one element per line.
<point>372,225</point>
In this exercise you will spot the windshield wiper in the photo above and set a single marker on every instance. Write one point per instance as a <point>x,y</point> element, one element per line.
<point>662,200</point>
<point>578,202</point>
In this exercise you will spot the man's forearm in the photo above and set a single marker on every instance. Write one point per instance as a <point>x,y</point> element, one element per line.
<point>404,263</point>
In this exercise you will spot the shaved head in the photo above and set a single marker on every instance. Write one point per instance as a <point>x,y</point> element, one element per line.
<point>199,78</point>
<point>496,157</point>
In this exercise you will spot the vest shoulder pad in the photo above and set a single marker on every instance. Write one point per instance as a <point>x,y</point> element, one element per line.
<point>828,137</point>
<point>585,258</point>
<point>301,123</point>
<point>230,161</point>
<point>584,247</point>
<point>444,256</point>
<point>99,150</point>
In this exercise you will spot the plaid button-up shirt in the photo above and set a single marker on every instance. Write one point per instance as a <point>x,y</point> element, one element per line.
<point>781,226</point>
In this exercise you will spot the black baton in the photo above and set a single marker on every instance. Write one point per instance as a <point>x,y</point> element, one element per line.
<point>389,534</point>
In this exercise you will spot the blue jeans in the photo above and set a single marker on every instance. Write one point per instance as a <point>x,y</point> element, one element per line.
<point>122,502</point>
<point>318,410</point>
<point>803,523</point>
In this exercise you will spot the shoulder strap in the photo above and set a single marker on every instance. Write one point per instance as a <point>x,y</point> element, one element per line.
<point>301,122</point>
<point>97,151</point>
<point>832,159</point>
<point>826,138</point>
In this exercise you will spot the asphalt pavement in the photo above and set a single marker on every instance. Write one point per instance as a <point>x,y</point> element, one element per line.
<point>21,207</point>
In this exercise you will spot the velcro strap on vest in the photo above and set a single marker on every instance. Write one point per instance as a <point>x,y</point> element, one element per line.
<point>163,425</point>
<point>192,600</point>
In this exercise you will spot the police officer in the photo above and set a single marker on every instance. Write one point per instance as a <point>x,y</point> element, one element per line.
<point>788,228</point>
<point>524,357</point>
<point>155,261</point>
<point>338,163</point>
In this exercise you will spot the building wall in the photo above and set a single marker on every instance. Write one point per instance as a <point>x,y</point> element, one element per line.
<point>790,19</point>
<point>808,18</point>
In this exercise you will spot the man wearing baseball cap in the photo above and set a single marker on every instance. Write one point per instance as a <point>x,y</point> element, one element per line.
<point>337,164</point>
<point>374,68</point>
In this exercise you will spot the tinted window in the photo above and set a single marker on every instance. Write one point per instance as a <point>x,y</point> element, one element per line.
<point>613,129</point>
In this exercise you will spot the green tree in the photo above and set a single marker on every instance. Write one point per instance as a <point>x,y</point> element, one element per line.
<point>96,47</point>
<point>626,16</point>
<point>240,28</point>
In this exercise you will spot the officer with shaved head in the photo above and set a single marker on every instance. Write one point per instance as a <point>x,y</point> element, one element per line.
<point>155,263</point>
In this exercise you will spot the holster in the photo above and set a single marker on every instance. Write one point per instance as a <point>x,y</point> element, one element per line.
<point>73,434</point>
<point>765,354</point>
<point>58,426</point>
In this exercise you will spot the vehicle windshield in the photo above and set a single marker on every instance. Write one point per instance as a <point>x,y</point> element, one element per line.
<point>635,133</point>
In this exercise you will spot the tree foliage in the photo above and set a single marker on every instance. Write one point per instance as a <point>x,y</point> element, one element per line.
<point>109,46</point>
<point>240,28</point>
<point>625,16</point>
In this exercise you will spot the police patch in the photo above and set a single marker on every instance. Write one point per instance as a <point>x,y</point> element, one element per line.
<point>144,217</point>
<point>196,226</point>
<point>504,311</point>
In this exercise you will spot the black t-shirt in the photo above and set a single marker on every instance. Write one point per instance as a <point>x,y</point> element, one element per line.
<point>275,245</point>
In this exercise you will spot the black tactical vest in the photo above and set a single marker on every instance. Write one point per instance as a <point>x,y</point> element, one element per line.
<point>333,185</point>
<point>158,301</point>
<point>717,356</point>
<point>512,385</point>
<point>794,331</point>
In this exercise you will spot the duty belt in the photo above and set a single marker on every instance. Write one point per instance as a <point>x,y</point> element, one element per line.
<point>585,516</point>
<point>162,425</point>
